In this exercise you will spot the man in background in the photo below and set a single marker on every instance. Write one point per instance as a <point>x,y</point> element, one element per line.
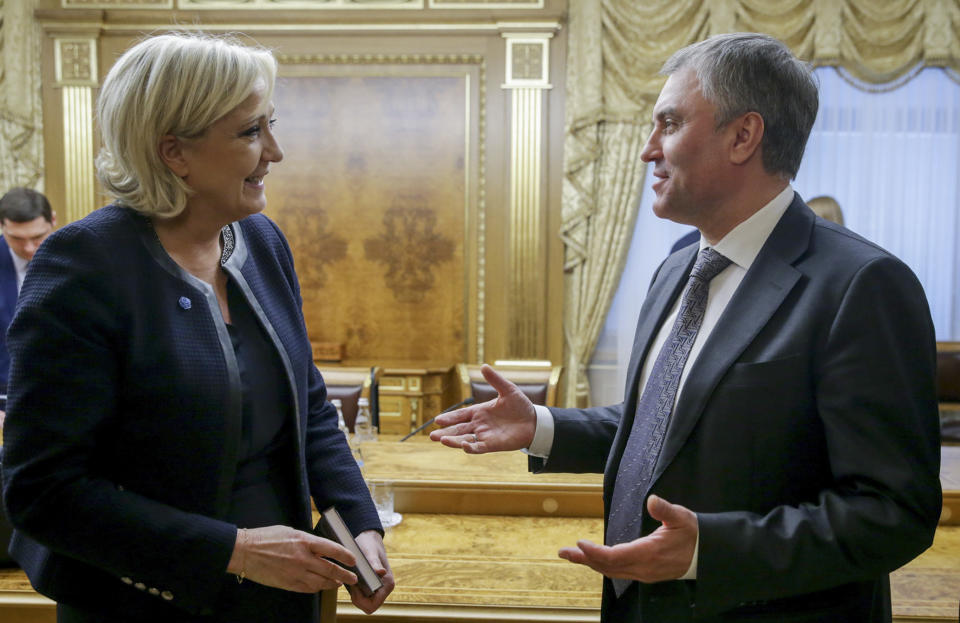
<point>777,451</point>
<point>26,220</point>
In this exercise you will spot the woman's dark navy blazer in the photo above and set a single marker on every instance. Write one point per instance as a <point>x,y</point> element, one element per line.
<point>124,415</point>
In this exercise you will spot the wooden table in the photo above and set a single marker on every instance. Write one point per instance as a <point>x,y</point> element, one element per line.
<point>479,543</point>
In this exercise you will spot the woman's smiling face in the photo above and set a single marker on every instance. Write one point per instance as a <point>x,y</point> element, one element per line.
<point>226,165</point>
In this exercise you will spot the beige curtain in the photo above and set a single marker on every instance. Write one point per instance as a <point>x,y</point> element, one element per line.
<point>21,133</point>
<point>616,48</point>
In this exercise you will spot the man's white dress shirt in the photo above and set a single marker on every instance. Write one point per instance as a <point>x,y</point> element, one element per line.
<point>741,246</point>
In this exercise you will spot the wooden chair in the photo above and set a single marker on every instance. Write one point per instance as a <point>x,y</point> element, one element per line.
<point>349,384</point>
<point>537,379</point>
<point>948,389</point>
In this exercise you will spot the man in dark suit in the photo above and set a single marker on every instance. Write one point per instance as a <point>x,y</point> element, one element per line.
<point>776,455</point>
<point>27,220</point>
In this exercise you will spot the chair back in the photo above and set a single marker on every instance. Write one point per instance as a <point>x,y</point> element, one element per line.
<point>349,384</point>
<point>948,371</point>
<point>536,379</point>
<point>948,390</point>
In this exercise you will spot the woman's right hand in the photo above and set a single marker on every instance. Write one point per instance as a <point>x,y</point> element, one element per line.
<point>290,559</point>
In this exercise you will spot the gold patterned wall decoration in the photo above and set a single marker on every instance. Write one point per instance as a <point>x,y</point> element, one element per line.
<point>314,239</point>
<point>410,247</point>
<point>528,63</point>
<point>385,152</point>
<point>76,62</point>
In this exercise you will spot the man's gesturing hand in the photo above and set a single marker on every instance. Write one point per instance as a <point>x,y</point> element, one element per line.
<point>507,422</point>
<point>664,554</point>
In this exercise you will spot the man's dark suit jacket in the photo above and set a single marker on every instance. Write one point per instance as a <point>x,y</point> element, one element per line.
<point>8,302</point>
<point>805,438</point>
<point>124,420</point>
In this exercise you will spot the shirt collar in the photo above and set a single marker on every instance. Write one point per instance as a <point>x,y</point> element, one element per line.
<point>742,244</point>
<point>20,265</point>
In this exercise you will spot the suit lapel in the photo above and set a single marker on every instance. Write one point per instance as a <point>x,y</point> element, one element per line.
<point>666,287</point>
<point>767,283</point>
<point>8,282</point>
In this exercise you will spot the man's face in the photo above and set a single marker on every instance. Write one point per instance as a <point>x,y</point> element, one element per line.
<point>688,153</point>
<point>25,238</point>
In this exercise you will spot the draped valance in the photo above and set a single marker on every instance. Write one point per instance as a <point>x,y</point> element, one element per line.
<point>616,48</point>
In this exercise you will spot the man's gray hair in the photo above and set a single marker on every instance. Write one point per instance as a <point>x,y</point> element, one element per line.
<point>750,72</point>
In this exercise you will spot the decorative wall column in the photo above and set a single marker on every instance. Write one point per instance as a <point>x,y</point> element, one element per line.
<point>527,76</point>
<point>76,77</point>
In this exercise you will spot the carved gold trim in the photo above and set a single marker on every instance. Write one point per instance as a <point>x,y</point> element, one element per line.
<point>75,61</point>
<point>481,235</point>
<point>526,243</point>
<point>486,4</point>
<point>340,5</point>
<point>320,5</point>
<point>339,27</point>
<point>475,243</point>
<point>116,4</point>
<point>79,180</point>
<point>263,27</point>
<point>528,60</point>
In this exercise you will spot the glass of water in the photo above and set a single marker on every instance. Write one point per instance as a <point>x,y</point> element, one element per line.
<point>382,494</point>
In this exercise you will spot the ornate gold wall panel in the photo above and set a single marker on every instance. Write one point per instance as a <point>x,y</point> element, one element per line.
<point>379,209</point>
<point>396,218</point>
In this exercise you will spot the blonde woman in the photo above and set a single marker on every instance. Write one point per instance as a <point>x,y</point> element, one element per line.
<point>166,425</point>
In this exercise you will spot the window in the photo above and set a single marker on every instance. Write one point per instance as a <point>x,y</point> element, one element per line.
<point>892,161</point>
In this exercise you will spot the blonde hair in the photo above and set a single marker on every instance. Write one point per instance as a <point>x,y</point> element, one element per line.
<point>177,84</point>
<point>827,207</point>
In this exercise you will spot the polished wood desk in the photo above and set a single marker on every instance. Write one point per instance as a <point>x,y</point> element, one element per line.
<point>456,568</point>
<point>430,478</point>
<point>472,556</point>
<point>482,560</point>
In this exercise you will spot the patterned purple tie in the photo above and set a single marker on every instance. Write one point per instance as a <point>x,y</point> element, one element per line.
<point>655,406</point>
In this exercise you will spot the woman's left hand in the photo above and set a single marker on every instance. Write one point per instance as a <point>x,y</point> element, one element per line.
<point>371,544</point>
